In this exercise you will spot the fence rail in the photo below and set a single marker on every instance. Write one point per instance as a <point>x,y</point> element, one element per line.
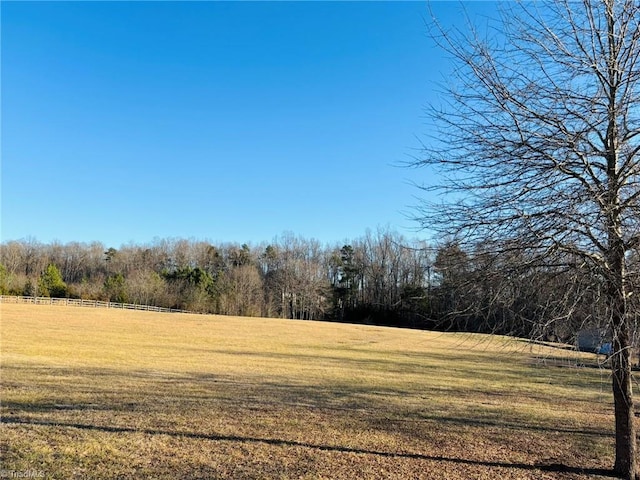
<point>78,302</point>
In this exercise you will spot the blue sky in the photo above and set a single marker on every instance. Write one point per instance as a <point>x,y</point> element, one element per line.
<point>221,121</point>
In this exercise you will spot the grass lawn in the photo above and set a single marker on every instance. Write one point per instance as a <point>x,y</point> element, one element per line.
<point>105,394</point>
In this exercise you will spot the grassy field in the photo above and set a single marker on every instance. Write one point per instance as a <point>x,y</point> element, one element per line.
<point>106,394</point>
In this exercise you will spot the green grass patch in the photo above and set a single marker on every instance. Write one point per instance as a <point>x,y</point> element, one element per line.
<point>105,394</point>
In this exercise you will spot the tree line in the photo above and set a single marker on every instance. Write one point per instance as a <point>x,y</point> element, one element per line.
<point>381,278</point>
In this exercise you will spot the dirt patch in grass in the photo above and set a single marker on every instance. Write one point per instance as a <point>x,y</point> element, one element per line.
<point>108,394</point>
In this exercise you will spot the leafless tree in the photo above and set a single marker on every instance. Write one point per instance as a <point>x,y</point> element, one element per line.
<point>243,291</point>
<point>538,144</point>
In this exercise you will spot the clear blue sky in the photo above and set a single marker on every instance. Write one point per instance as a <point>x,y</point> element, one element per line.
<point>220,121</point>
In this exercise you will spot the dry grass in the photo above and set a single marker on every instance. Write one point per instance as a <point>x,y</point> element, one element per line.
<point>117,394</point>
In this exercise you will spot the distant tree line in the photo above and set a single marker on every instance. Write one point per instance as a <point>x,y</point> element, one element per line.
<point>380,278</point>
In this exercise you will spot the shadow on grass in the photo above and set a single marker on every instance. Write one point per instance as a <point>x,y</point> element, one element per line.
<point>552,468</point>
<point>474,422</point>
<point>300,399</point>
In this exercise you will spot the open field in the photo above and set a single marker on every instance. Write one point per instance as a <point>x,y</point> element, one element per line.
<point>105,394</point>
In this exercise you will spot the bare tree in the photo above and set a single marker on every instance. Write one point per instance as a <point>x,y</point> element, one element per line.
<point>538,142</point>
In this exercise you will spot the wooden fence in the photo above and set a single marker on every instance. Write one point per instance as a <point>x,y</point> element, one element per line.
<point>78,302</point>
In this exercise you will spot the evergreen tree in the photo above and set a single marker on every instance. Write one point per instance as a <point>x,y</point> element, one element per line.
<point>51,283</point>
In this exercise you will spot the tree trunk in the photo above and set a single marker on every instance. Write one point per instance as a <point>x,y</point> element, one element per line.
<point>626,445</point>
<point>626,464</point>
